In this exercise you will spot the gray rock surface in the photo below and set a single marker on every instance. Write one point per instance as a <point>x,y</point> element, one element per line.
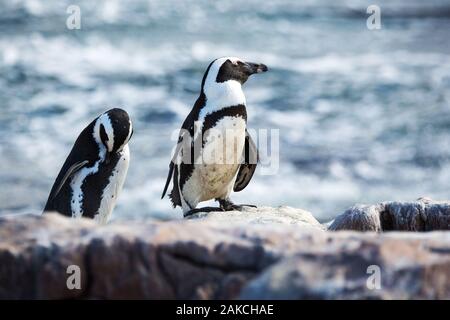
<point>363,266</point>
<point>210,257</point>
<point>422,215</point>
<point>263,215</point>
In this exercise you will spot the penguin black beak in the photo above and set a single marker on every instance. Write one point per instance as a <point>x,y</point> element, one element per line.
<point>253,68</point>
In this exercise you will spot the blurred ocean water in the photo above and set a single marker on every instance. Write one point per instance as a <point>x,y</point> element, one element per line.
<point>364,116</point>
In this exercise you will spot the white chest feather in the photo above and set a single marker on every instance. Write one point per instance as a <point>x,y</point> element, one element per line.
<point>114,187</point>
<point>110,192</point>
<point>218,97</point>
<point>77,193</point>
<point>222,95</point>
<point>224,143</point>
<point>223,147</point>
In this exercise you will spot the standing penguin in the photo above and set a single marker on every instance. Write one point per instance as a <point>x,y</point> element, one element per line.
<point>94,172</point>
<point>208,163</point>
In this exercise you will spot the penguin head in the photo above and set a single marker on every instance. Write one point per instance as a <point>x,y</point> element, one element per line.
<point>113,129</point>
<point>231,68</point>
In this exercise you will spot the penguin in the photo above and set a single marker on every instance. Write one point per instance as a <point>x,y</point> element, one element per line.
<point>207,163</point>
<point>95,170</point>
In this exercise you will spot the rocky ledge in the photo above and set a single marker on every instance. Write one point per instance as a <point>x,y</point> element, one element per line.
<point>264,253</point>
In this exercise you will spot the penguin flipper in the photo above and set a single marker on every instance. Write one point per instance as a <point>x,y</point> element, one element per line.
<point>172,164</point>
<point>186,129</point>
<point>247,169</point>
<point>169,176</point>
<point>72,170</point>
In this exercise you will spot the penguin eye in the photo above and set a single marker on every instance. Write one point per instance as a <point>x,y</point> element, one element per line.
<point>103,135</point>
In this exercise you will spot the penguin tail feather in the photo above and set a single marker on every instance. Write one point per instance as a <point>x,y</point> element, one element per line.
<point>175,198</point>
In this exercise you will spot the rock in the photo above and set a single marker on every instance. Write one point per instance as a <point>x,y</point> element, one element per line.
<point>422,215</point>
<point>408,267</point>
<point>360,218</point>
<point>211,258</point>
<point>263,215</point>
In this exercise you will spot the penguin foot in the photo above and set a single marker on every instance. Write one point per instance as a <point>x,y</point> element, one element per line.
<point>205,209</point>
<point>228,205</point>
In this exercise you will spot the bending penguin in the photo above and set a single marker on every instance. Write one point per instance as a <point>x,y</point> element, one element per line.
<point>94,172</point>
<point>215,155</point>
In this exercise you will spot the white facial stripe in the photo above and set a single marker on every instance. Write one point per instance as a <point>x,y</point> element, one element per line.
<point>215,67</point>
<point>109,131</point>
<point>98,140</point>
<point>106,122</point>
<point>129,132</point>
